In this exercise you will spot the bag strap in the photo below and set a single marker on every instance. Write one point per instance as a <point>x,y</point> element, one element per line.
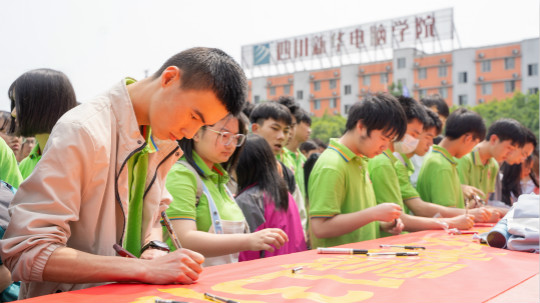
<point>199,180</point>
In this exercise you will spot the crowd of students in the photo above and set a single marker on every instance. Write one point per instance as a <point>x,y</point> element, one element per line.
<point>238,182</point>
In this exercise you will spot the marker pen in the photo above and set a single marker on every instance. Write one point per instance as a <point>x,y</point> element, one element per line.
<point>399,254</point>
<point>403,246</point>
<point>335,250</point>
<point>218,299</point>
<point>123,252</point>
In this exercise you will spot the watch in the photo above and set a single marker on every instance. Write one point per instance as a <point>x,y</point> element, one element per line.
<point>155,244</point>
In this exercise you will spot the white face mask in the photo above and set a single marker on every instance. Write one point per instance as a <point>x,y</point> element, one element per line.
<point>407,145</point>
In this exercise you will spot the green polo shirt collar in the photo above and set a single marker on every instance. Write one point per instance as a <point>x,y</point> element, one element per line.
<point>476,158</point>
<point>345,153</point>
<point>445,154</point>
<point>36,152</point>
<point>217,174</point>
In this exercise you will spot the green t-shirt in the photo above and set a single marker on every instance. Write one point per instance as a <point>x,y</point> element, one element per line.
<point>182,184</point>
<point>473,172</point>
<point>340,184</point>
<point>405,169</point>
<point>298,159</point>
<point>383,173</point>
<point>438,181</point>
<point>28,164</point>
<point>9,171</point>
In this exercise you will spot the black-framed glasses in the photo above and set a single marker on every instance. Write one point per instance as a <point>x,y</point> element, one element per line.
<point>228,138</point>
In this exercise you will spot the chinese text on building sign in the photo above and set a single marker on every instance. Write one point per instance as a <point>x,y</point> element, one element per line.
<point>394,33</point>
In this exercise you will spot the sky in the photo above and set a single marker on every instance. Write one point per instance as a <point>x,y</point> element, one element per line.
<point>97,43</point>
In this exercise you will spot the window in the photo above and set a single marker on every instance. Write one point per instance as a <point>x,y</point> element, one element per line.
<point>272,91</point>
<point>486,66</point>
<point>443,70</point>
<point>509,63</point>
<point>422,73</point>
<point>317,85</point>
<point>333,83</point>
<point>317,104</point>
<point>286,89</point>
<point>299,94</point>
<point>347,107</point>
<point>347,89</point>
<point>443,91</point>
<point>509,86</point>
<point>462,77</point>
<point>366,80</point>
<point>533,90</point>
<point>256,99</point>
<point>384,78</point>
<point>401,63</point>
<point>486,89</point>
<point>422,93</point>
<point>333,103</point>
<point>462,100</point>
<point>533,69</point>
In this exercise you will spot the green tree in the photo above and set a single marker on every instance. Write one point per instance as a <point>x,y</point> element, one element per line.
<point>523,108</point>
<point>396,90</point>
<point>327,126</point>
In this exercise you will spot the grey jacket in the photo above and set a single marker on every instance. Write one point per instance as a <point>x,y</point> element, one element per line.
<point>78,193</point>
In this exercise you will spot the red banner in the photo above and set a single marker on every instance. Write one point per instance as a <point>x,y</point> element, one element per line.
<point>452,268</point>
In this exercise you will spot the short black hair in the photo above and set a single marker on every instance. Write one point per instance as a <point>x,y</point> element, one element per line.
<point>413,110</point>
<point>433,121</point>
<point>188,145</point>
<point>211,69</point>
<point>507,129</point>
<point>380,111</point>
<point>303,116</point>
<point>40,97</point>
<point>290,104</point>
<point>463,121</point>
<point>270,110</point>
<point>320,143</point>
<point>437,101</point>
<point>307,146</point>
<point>248,107</point>
<point>6,121</point>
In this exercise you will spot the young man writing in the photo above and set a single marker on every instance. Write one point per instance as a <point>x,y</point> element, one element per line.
<point>385,170</point>
<point>343,208</point>
<point>100,183</point>
<point>480,167</point>
<point>438,181</point>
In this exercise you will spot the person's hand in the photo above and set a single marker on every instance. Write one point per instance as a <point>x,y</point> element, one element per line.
<point>268,239</point>
<point>495,216</point>
<point>469,191</point>
<point>152,253</point>
<point>461,222</point>
<point>181,266</point>
<point>480,214</point>
<point>394,227</point>
<point>387,212</point>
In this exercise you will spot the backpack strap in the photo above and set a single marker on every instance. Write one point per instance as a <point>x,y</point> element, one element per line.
<point>199,180</point>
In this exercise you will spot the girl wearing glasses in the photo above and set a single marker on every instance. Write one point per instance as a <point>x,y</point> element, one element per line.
<point>203,212</point>
<point>264,198</point>
<point>38,99</point>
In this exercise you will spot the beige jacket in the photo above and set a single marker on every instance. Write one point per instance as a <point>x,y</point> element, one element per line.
<point>77,195</point>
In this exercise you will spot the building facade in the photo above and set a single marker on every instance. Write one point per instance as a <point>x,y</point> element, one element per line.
<point>466,77</point>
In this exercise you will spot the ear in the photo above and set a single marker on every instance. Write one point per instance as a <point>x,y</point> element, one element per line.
<point>494,139</point>
<point>361,128</point>
<point>467,138</point>
<point>255,128</point>
<point>170,75</point>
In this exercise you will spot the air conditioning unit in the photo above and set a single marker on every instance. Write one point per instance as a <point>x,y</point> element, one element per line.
<point>416,64</point>
<point>443,60</point>
<point>291,80</point>
<point>388,67</point>
<point>480,79</point>
<point>416,85</point>
<point>311,77</point>
<point>515,75</point>
<point>515,51</point>
<point>336,74</point>
<point>312,96</point>
<point>481,101</point>
<point>481,55</point>
<point>444,82</point>
<point>361,70</point>
<point>334,94</point>
<point>269,82</point>
<point>363,90</point>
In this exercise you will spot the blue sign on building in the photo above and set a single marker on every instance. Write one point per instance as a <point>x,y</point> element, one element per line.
<point>261,54</point>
